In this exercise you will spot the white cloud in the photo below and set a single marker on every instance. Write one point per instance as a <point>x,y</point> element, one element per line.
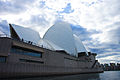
<point>110,59</point>
<point>1,32</point>
<point>100,16</point>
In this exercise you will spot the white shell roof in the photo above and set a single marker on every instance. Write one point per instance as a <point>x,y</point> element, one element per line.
<point>61,35</point>
<point>79,45</point>
<point>49,45</point>
<point>44,44</point>
<point>26,33</point>
<point>58,37</point>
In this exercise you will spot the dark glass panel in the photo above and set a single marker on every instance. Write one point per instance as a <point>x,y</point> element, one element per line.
<point>26,52</point>
<point>2,59</point>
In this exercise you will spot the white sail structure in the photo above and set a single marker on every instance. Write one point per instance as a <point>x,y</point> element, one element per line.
<point>79,45</point>
<point>61,35</point>
<point>26,33</point>
<point>49,45</point>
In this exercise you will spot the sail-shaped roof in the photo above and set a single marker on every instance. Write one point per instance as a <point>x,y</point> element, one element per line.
<point>58,37</point>
<point>26,33</point>
<point>61,35</point>
<point>79,45</point>
<point>49,45</point>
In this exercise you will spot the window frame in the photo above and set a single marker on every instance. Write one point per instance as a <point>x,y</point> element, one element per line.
<point>25,51</point>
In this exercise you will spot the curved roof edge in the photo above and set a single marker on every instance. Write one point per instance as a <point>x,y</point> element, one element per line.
<point>26,33</point>
<point>61,35</point>
<point>49,45</point>
<point>79,45</point>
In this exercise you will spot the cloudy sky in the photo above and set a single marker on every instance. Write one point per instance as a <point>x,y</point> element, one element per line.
<point>96,22</point>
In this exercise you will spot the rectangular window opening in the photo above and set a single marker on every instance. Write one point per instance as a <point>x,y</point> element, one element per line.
<point>24,51</point>
<point>30,61</point>
<point>2,59</point>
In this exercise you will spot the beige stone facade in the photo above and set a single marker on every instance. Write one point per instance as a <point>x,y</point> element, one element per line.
<point>48,63</point>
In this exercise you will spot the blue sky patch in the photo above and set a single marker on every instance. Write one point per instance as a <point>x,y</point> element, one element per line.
<point>67,9</point>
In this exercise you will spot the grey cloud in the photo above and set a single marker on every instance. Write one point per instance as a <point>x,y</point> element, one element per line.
<point>112,48</point>
<point>114,34</point>
<point>37,20</point>
<point>83,33</point>
<point>105,55</point>
<point>40,20</point>
<point>14,6</point>
<point>114,7</point>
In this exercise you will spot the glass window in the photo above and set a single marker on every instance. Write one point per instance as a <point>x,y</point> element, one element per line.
<point>31,61</point>
<point>2,59</point>
<point>26,52</point>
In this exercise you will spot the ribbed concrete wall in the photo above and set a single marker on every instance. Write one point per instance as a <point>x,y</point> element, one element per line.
<point>19,69</point>
<point>5,44</point>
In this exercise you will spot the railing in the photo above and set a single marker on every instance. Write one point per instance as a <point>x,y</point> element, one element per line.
<point>30,42</point>
<point>21,40</point>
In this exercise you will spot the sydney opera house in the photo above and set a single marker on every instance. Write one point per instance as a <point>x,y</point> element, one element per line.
<point>59,52</point>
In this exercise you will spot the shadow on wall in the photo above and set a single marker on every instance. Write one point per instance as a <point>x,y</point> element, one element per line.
<point>94,76</point>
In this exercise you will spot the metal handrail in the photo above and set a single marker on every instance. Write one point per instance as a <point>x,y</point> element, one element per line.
<point>22,40</point>
<point>28,42</point>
